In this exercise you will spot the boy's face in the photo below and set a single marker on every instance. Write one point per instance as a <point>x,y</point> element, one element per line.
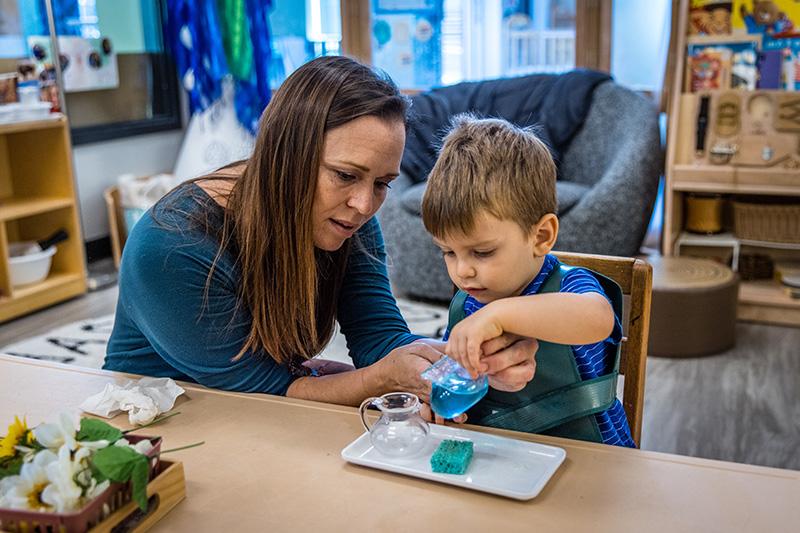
<point>496,260</point>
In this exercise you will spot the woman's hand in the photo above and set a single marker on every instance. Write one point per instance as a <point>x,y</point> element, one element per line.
<point>400,370</point>
<point>511,361</point>
<point>427,413</point>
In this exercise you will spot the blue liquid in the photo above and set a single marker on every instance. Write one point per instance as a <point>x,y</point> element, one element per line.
<point>455,395</point>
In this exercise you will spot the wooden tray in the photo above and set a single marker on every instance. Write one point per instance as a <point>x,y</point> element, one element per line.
<point>164,492</point>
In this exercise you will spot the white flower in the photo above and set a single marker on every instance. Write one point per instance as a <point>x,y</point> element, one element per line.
<point>96,489</point>
<point>25,490</point>
<point>143,446</point>
<point>93,445</point>
<point>63,493</point>
<point>55,435</point>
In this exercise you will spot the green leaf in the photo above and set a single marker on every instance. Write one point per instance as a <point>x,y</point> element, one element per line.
<point>11,466</point>
<point>139,483</point>
<point>123,464</point>
<point>93,429</point>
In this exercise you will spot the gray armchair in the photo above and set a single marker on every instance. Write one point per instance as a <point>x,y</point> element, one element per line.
<point>608,178</point>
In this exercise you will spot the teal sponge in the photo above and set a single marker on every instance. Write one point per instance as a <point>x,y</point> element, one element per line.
<point>452,457</point>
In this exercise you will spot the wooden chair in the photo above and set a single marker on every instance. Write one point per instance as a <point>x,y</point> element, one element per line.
<point>636,279</point>
<point>116,223</point>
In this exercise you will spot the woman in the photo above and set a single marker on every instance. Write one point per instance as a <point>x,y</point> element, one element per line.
<point>235,280</point>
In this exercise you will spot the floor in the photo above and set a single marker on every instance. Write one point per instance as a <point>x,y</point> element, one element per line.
<point>742,406</point>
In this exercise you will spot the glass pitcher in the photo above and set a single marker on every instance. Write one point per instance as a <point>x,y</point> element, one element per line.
<point>400,431</point>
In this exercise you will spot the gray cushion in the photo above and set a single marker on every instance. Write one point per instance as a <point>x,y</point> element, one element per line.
<point>607,184</point>
<point>569,194</point>
<point>412,198</point>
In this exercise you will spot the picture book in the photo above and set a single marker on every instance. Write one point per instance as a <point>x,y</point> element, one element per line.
<point>708,69</point>
<point>738,63</point>
<point>774,19</point>
<point>710,17</point>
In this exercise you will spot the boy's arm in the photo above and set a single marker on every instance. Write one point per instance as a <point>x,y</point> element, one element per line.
<point>562,318</point>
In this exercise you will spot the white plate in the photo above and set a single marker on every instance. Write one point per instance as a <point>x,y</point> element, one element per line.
<point>508,467</point>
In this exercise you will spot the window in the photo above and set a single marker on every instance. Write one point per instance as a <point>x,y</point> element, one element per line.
<point>425,43</point>
<point>301,31</point>
<point>118,79</point>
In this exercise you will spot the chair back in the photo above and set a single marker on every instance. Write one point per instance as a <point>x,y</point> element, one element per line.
<point>116,223</point>
<point>635,277</point>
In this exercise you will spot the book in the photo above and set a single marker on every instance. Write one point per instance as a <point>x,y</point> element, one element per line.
<point>708,70</point>
<point>710,17</point>
<point>774,19</point>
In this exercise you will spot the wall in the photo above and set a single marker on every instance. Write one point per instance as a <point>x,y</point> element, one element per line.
<point>97,166</point>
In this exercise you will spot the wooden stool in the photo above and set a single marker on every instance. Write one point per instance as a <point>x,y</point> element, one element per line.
<point>693,308</point>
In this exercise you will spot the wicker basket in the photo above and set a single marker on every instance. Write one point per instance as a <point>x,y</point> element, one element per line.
<point>116,496</point>
<point>767,222</point>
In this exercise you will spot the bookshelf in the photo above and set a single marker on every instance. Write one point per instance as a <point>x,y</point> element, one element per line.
<point>687,172</point>
<point>37,197</point>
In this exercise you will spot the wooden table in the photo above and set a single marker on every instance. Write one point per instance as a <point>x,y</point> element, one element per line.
<point>272,463</point>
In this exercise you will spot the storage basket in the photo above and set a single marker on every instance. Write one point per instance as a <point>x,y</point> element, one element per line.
<point>767,222</point>
<point>115,496</point>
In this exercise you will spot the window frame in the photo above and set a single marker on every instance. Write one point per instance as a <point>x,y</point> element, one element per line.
<point>164,70</point>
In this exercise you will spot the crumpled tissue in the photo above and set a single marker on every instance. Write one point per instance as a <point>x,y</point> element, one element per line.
<point>143,400</point>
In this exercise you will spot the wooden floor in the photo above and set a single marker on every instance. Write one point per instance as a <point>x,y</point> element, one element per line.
<point>742,406</point>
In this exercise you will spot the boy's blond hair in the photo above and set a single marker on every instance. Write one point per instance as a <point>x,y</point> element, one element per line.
<point>492,165</point>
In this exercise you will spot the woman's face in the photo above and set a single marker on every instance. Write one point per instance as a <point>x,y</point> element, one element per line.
<point>359,161</point>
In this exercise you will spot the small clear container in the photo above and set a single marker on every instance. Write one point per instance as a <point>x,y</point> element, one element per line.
<point>400,431</point>
<point>453,391</point>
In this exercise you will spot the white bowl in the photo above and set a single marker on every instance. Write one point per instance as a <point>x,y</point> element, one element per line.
<point>30,267</point>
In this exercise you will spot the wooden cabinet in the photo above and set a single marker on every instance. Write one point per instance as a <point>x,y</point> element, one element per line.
<point>37,197</point>
<point>688,172</point>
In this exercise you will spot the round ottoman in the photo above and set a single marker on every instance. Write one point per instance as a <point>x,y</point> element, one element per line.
<point>693,309</point>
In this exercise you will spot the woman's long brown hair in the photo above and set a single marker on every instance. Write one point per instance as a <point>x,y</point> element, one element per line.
<point>291,288</point>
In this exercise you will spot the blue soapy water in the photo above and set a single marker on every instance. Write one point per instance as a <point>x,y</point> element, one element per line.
<point>453,391</point>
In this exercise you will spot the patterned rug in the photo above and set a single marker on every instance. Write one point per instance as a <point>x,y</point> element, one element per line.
<point>84,343</point>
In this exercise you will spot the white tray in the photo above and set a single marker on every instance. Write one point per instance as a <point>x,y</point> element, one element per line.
<point>500,465</point>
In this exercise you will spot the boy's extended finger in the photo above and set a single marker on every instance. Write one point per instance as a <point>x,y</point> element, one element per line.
<point>474,354</point>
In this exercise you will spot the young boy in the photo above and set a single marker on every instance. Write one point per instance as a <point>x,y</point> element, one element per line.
<point>490,205</point>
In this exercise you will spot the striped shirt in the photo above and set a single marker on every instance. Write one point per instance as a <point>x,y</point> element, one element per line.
<point>593,360</point>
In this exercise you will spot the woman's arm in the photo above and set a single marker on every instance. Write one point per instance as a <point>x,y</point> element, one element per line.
<point>398,371</point>
<point>168,325</point>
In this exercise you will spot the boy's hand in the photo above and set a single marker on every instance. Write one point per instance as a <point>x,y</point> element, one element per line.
<point>467,337</point>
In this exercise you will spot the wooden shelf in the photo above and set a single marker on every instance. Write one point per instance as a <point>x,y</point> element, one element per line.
<point>53,281</point>
<point>687,171</point>
<point>735,188</point>
<point>726,179</point>
<point>31,125</point>
<point>14,208</point>
<point>56,288</point>
<point>37,198</point>
<point>729,239</point>
<point>767,301</point>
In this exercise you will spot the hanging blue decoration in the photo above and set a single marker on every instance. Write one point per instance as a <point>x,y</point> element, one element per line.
<point>253,95</point>
<point>195,39</point>
<point>193,36</point>
<point>66,15</point>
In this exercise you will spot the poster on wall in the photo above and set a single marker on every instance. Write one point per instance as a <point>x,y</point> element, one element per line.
<point>87,64</point>
<point>406,41</point>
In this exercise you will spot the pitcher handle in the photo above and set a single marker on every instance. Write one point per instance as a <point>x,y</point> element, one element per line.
<point>362,410</point>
